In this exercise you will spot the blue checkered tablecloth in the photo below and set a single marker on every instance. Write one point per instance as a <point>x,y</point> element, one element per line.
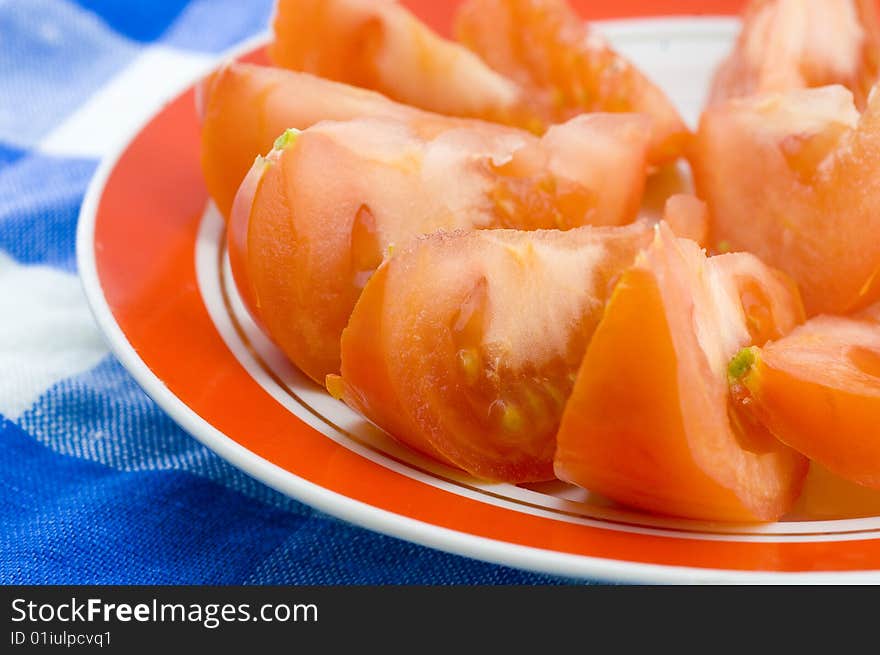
<point>97,485</point>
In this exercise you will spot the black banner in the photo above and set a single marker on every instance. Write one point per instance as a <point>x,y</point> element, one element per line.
<point>463,619</point>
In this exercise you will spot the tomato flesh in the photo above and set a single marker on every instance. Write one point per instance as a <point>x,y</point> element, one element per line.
<point>688,217</point>
<point>565,67</point>
<point>246,107</point>
<point>313,224</point>
<point>650,423</point>
<point>818,390</point>
<point>382,46</point>
<point>791,178</point>
<point>464,345</point>
<point>827,496</point>
<point>786,45</point>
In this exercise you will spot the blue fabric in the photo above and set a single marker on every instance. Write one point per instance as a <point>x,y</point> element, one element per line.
<point>207,25</point>
<point>51,188</point>
<point>97,485</point>
<point>140,20</point>
<point>53,56</point>
<point>9,155</point>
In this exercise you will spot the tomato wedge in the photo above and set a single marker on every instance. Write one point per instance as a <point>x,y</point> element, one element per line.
<point>317,217</point>
<point>565,67</point>
<point>380,45</point>
<point>464,345</point>
<point>827,496</point>
<point>688,217</point>
<point>650,422</point>
<point>246,107</point>
<point>792,178</point>
<point>818,390</point>
<point>786,45</point>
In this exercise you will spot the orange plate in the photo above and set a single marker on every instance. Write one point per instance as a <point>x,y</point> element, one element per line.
<point>153,263</point>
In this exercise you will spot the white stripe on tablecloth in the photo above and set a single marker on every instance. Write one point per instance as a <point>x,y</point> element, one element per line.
<point>47,332</point>
<point>125,102</point>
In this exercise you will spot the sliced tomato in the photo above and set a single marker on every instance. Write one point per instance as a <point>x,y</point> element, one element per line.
<point>316,219</point>
<point>827,496</point>
<point>818,390</point>
<point>565,67</point>
<point>465,345</point>
<point>786,45</point>
<point>380,45</point>
<point>237,236</point>
<point>792,178</point>
<point>688,217</point>
<point>650,421</point>
<point>245,107</point>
